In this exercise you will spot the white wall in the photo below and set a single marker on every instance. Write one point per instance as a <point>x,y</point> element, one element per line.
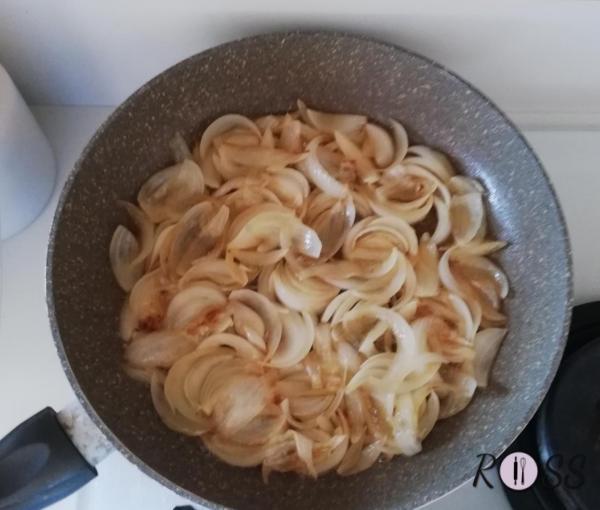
<point>539,61</point>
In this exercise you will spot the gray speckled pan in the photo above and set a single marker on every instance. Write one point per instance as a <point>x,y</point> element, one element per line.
<point>337,72</point>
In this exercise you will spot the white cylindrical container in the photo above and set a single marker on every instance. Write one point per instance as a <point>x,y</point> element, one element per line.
<point>27,167</point>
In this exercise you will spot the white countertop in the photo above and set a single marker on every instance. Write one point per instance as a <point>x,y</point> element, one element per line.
<point>29,362</point>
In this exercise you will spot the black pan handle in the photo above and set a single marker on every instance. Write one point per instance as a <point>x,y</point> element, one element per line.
<point>39,464</point>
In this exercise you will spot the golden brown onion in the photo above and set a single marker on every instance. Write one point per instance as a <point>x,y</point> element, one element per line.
<point>232,256</point>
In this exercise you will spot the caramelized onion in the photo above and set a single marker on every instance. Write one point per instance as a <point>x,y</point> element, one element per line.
<point>269,225</point>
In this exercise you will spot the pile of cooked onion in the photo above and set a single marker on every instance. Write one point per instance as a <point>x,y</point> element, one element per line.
<point>308,292</point>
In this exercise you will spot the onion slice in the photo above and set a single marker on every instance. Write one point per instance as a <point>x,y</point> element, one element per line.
<point>383,147</point>
<point>318,174</point>
<point>123,251</point>
<point>467,216</point>
<point>222,125</point>
<point>296,341</point>
<point>487,343</point>
<point>170,192</point>
<point>330,122</point>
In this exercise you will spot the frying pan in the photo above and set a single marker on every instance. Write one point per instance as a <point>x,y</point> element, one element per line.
<point>334,72</point>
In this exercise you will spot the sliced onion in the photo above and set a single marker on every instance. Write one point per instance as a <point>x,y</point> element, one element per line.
<point>374,368</point>
<point>222,125</point>
<point>404,440</point>
<point>127,322</point>
<point>212,178</point>
<point>242,346</point>
<point>381,290</point>
<point>194,306</point>
<point>440,188</point>
<point>328,455</point>
<point>367,457</point>
<point>180,148</point>
<point>411,215</point>
<point>170,417</point>
<point>352,456</point>
<point>367,346</point>
<point>272,122</point>
<point>400,142</point>
<point>429,415</point>
<point>309,294</point>
<point>238,400</point>
<point>143,375</point>
<point>148,300</point>
<point>296,340</point>
<point>480,248</point>
<point>467,327</point>
<point>456,392</point>
<point>158,349</point>
<point>237,183</point>
<point>318,175</point>
<point>240,200</point>
<point>443,227</point>
<point>170,192</point>
<point>446,276</point>
<point>234,453</point>
<point>481,268</point>
<point>487,343</point>
<point>348,357</point>
<point>309,407</point>
<point>290,186</point>
<point>162,245</point>
<point>332,225</point>
<point>477,286</point>
<point>213,391</point>
<point>260,429</point>
<point>306,241</point>
<point>426,269</point>
<point>253,258</point>
<point>393,231</point>
<point>461,185</point>
<point>250,370</point>
<point>364,167</point>
<point>265,282</point>
<point>248,324</point>
<point>467,216</point>
<point>145,232</point>
<point>291,136</point>
<point>268,141</point>
<point>304,448</point>
<point>445,341</point>
<point>189,370</point>
<point>383,147</point>
<point>257,157</point>
<point>271,225</point>
<point>238,138</point>
<point>432,160</point>
<point>124,249</point>
<point>356,415</point>
<point>331,122</point>
<point>338,306</point>
<point>267,311</point>
<point>196,235</point>
<point>406,193</point>
<point>228,275</point>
